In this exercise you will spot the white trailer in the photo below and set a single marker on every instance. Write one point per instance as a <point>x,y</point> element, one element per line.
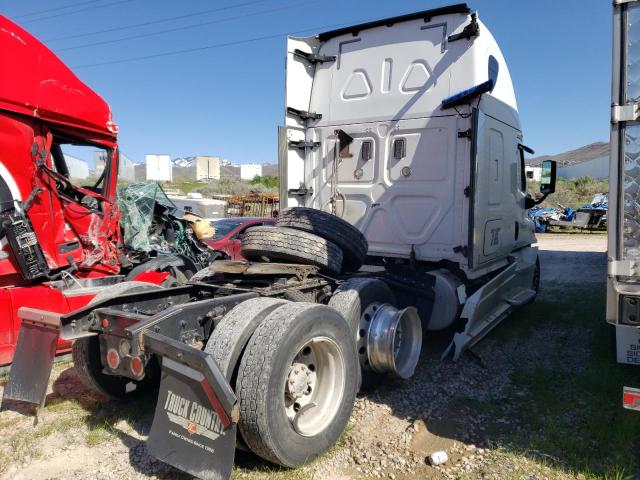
<point>158,168</point>
<point>623,284</point>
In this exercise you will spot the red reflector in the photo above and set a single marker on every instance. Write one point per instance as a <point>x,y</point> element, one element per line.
<point>137,367</point>
<point>631,398</point>
<point>105,323</point>
<point>113,359</point>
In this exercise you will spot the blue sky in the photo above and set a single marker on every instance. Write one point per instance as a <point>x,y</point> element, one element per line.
<point>228,101</point>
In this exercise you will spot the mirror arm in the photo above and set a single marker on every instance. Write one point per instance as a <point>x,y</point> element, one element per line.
<point>541,199</point>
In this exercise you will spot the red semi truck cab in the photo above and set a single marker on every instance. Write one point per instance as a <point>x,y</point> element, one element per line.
<point>51,227</point>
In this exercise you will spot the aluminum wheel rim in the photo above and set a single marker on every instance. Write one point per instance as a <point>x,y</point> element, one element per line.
<point>361,337</point>
<point>314,386</point>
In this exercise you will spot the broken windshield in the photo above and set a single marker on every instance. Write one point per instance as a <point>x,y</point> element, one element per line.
<point>137,204</point>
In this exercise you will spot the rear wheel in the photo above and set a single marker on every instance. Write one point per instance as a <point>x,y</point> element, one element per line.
<point>535,285</point>
<point>87,358</point>
<point>230,337</point>
<point>356,300</point>
<point>297,383</point>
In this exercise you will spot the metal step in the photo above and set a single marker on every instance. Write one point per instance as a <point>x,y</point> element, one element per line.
<point>521,296</point>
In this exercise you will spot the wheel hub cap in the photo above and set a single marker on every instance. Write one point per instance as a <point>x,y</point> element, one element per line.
<point>299,381</point>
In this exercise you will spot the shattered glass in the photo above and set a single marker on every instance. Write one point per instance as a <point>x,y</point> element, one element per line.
<point>137,203</point>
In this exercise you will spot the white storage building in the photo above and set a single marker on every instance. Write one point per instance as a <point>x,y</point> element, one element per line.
<point>159,167</point>
<point>248,171</point>
<point>533,173</point>
<point>207,168</point>
<point>78,169</point>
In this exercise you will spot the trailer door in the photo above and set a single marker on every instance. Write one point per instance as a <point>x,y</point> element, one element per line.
<point>623,289</point>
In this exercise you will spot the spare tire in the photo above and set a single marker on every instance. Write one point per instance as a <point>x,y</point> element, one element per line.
<point>330,227</point>
<point>275,243</point>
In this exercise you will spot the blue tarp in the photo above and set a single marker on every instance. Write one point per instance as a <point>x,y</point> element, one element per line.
<point>535,214</point>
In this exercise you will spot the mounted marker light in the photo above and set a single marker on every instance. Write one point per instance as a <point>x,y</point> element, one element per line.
<point>466,96</point>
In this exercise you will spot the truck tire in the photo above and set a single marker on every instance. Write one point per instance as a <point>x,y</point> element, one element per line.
<point>355,295</point>
<point>536,280</point>
<point>330,227</point>
<point>85,353</point>
<point>297,383</point>
<point>353,299</point>
<point>287,244</point>
<point>230,337</point>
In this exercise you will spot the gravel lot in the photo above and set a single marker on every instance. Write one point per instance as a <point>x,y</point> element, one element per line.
<point>476,409</point>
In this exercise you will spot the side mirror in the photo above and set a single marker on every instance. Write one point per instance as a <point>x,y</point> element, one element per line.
<point>548,177</point>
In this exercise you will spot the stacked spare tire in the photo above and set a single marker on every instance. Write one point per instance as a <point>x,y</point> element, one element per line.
<point>310,237</point>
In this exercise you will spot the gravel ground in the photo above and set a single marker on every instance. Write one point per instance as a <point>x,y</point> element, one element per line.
<point>466,409</point>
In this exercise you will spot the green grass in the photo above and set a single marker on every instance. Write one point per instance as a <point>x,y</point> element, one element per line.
<point>572,417</point>
<point>571,193</point>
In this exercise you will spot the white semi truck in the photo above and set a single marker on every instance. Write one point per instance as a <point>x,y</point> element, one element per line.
<point>402,165</point>
<point>623,284</point>
<point>408,128</point>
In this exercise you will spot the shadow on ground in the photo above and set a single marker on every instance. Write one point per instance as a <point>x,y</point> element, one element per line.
<point>544,384</point>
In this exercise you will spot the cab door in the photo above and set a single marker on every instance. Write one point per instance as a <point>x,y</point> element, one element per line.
<point>88,230</point>
<point>495,208</point>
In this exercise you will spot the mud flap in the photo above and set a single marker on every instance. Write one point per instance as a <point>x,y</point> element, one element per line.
<point>193,428</point>
<point>33,359</point>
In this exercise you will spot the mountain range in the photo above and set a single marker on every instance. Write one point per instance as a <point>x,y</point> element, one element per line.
<point>573,157</point>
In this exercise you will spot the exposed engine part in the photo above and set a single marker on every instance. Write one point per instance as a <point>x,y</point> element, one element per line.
<point>450,292</point>
<point>394,339</point>
<point>152,226</point>
<point>24,244</point>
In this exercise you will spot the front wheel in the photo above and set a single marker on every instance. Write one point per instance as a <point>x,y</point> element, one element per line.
<point>297,383</point>
<point>535,284</point>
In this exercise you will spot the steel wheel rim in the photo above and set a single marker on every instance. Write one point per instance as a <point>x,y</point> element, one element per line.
<point>314,386</point>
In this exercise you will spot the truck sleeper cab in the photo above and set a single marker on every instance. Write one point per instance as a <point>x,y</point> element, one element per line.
<point>408,129</point>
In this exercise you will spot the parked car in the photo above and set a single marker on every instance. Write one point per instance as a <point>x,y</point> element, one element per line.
<point>229,233</point>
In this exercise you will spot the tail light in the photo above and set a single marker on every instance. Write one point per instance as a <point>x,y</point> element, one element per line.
<point>113,359</point>
<point>136,365</point>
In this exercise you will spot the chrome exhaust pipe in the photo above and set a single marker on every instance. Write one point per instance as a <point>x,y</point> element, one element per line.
<point>394,340</point>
